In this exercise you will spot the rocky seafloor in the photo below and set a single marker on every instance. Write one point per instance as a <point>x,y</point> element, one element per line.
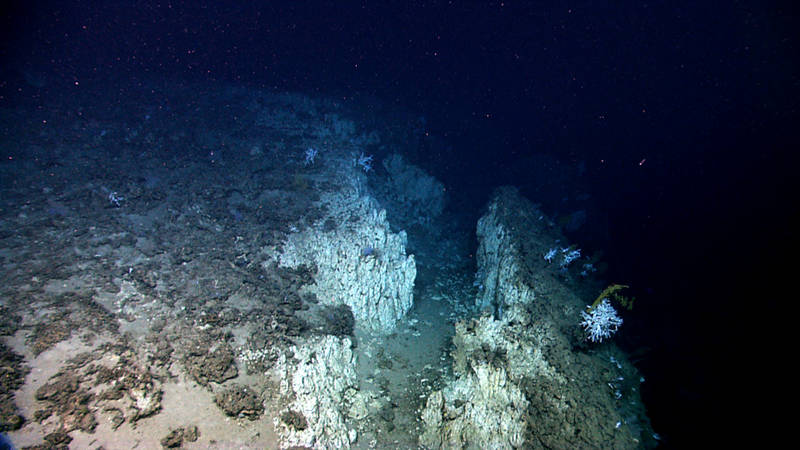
<point>256,269</point>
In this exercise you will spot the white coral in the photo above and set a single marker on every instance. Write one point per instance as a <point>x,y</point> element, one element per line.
<point>601,321</point>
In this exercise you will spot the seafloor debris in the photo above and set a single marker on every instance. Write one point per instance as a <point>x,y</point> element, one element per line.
<point>239,401</point>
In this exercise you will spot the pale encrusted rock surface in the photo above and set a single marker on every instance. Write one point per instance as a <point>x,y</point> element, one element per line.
<point>360,262</point>
<point>518,380</point>
<point>498,261</point>
<point>482,407</point>
<point>320,379</point>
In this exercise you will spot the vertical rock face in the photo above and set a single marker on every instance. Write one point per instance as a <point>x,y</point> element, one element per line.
<point>420,194</point>
<point>360,262</point>
<point>513,236</point>
<point>322,380</point>
<point>517,380</point>
<point>482,407</point>
<point>498,261</point>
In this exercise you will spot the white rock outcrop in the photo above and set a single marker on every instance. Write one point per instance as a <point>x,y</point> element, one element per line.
<point>360,262</point>
<point>321,380</point>
<point>499,263</point>
<point>518,381</point>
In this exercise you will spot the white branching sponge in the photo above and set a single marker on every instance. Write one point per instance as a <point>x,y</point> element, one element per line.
<point>601,321</point>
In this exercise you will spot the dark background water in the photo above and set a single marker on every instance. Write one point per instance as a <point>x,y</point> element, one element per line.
<point>670,127</point>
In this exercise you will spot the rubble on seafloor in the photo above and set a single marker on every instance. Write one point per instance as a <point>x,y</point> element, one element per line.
<point>234,291</point>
